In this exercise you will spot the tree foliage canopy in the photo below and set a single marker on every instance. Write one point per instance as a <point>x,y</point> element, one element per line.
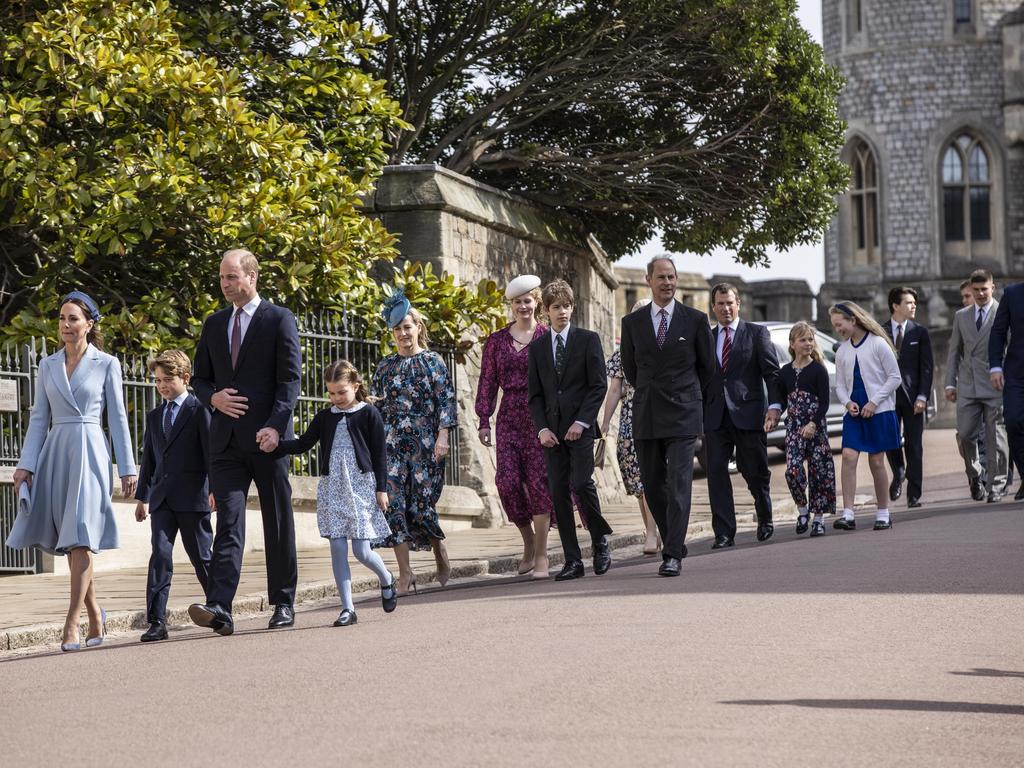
<point>132,156</point>
<point>714,121</point>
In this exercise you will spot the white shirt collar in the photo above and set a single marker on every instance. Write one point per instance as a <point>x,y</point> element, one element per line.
<point>357,407</point>
<point>564,333</point>
<point>978,309</point>
<point>180,399</point>
<point>655,310</point>
<point>733,326</point>
<point>896,325</point>
<point>250,308</point>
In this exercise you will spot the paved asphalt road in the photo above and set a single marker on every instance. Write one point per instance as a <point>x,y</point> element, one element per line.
<point>866,648</point>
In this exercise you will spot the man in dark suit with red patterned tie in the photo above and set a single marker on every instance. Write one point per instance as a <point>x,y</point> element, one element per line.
<point>668,357</point>
<point>734,415</point>
<point>247,370</point>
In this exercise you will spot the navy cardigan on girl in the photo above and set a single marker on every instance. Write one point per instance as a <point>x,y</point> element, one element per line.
<point>365,427</point>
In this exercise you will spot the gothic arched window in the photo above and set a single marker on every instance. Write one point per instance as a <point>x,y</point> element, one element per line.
<point>967,198</point>
<point>864,218</point>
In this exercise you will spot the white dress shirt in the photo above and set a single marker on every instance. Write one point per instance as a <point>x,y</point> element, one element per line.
<point>178,402</point>
<point>656,315</point>
<point>733,326</point>
<point>564,333</point>
<point>247,312</point>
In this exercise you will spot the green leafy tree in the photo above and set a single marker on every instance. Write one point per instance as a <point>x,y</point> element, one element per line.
<point>132,157</point>
<point>712,121</point>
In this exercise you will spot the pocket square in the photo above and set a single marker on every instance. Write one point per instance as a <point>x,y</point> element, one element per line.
<point>913,343</point>
<point>682,338</point>
<point>24,499</point>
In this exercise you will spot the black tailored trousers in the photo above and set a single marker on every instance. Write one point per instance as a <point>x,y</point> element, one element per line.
<point>909,458</point>
<point>571,468</point>
<point>666,469</point>
<point>751,448</point>
<point>231,473</point>
<point>196,537</point>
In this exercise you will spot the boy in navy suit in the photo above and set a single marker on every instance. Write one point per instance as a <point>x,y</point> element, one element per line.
<point>567,384</point>
<point>174,482</point>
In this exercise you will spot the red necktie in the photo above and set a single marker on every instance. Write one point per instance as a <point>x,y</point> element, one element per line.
<point>236,338</point>
<point>726,348</point>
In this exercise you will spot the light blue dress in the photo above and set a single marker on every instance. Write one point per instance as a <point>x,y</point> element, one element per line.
<point>67,453</point>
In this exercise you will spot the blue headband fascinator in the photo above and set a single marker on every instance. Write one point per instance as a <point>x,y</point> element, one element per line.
<point>396,307</point>
<point>94,310</point>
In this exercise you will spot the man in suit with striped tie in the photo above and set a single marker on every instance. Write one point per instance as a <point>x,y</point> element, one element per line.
<point>668,357</point>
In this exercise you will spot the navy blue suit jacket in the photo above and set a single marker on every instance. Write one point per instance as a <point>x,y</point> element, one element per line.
<point>753,366</point>
<point>268,371</point>
<point>558,401</point>
<point>1006,340</point>
<point>916,362</point>
<point>175,467</point>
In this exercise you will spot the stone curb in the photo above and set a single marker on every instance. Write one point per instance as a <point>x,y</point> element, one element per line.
<point>18,638</point>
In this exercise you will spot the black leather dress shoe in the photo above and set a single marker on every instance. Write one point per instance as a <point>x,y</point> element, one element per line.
<point>977,492</point>
<point>283,616</point>
<point>213,616</point>
<point>721,542</point>
<point>844,525</point>
<point>602,557</point>
<point>389,596</point>
<point>913,503</point>
<point>670,567</point>
<point>1020,493</point>
<point>571,570</point>
<point>896,486</point>
<point>765,531</point>
<point>157,631</point>
<point>346,618</point>
<point>994,497</point>
<point>883,525</point>
<point>802,521</point>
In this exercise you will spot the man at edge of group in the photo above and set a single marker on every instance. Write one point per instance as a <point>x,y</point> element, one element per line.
<point>1006,361</point>
<point>736,416</point>
<point>668,357</point>
<point>977,401</point>
<point>913,348</point>
<point>247,369</point>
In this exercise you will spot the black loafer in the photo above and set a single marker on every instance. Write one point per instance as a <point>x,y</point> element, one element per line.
<point>389,596</point>
<point>844,525</point>
<point>765,531</point>
<point>213,616</point>
<point>802,522</point>
<point>157,631</point>
<point>670,567</point>
<point>721,542</point>
<point>913,503</point>
<point>994,497</point>
<point>977,492</point>
<point>571,570</point>
<point>346,618</point>
<point>896,486</point>
<point>602,557</point>
<point>283,616</point>
<point>883,525</point>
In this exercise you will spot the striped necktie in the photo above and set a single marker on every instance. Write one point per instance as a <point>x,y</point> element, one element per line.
<point>726,347</point>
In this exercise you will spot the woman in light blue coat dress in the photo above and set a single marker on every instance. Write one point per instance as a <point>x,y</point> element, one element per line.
<point>66,461</point>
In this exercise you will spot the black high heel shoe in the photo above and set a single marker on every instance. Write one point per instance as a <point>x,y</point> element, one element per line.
<point>389,602</point>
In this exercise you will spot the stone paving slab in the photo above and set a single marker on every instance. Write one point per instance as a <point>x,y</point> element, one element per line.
<point>32,606</point>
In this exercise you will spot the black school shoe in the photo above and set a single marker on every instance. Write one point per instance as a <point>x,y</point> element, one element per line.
<point>845,525</point>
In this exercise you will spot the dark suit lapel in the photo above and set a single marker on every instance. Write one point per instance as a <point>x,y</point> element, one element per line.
<point>675,328</point>
<point>251,332</point>
<point>157,427</point>
<point>570,348</point>
<point>184,414</point>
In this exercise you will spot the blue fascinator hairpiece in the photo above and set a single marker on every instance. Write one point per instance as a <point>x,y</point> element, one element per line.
<point>94,310</point>
<point>396,307</point>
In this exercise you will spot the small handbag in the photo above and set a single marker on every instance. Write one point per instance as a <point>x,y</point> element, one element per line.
<point>599,452</point>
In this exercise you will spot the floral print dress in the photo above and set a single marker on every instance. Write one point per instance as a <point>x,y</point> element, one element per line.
<point>625,448</point>
<point>521,473</point>
<point>416,400</point>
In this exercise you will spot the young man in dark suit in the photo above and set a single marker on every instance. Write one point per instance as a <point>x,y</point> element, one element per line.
<point>567,384</point>
<point>914,349</point>
<point>1006,371</point>
<point>736,416</point>
<point>247,369</point>
<point>173,481</point>
<point>668,357</point>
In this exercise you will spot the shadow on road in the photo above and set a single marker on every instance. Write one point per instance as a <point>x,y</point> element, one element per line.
<point>899,705</point>
<point>980,672</point>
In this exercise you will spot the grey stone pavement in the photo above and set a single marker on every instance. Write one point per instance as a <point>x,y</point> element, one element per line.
<point>898,647</point>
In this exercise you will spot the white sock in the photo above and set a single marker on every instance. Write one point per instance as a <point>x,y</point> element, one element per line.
<point>801,511</point>
<point>882,515</point>
<point>847,513</point>
<point>819,517</point>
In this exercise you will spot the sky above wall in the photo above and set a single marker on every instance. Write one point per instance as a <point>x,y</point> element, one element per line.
<point>807,262</point>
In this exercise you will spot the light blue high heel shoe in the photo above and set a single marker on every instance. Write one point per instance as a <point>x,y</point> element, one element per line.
<point>71,646</point>
<point>92,642</point>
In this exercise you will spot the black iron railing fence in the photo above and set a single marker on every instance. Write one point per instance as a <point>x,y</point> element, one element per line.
<point>323,337</point>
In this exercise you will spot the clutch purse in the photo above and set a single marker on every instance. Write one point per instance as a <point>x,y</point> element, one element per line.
<point>599,452</point>
<point>24,499</point>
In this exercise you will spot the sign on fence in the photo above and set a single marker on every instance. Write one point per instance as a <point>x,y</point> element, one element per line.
<point>8,395</point>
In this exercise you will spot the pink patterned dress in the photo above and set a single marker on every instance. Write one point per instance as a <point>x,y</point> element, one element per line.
<point>521,474</point>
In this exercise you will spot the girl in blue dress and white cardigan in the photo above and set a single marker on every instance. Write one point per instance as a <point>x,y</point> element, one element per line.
<point>352,495</point>
<point>867,375</point>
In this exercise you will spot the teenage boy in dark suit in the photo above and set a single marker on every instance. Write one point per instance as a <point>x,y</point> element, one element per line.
<point>567,385</point>
<point>173,480</point>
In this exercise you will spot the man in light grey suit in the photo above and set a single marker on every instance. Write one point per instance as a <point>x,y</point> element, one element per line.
<point>977,401</point>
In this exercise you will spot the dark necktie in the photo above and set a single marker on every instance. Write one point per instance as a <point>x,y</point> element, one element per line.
<point>168,417</point>
<point>979,319</point>
<point>726,347</point>
<point>662,328</point>
<point>236,337</point>
<point>559,354</point>
<point>899,340</point>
